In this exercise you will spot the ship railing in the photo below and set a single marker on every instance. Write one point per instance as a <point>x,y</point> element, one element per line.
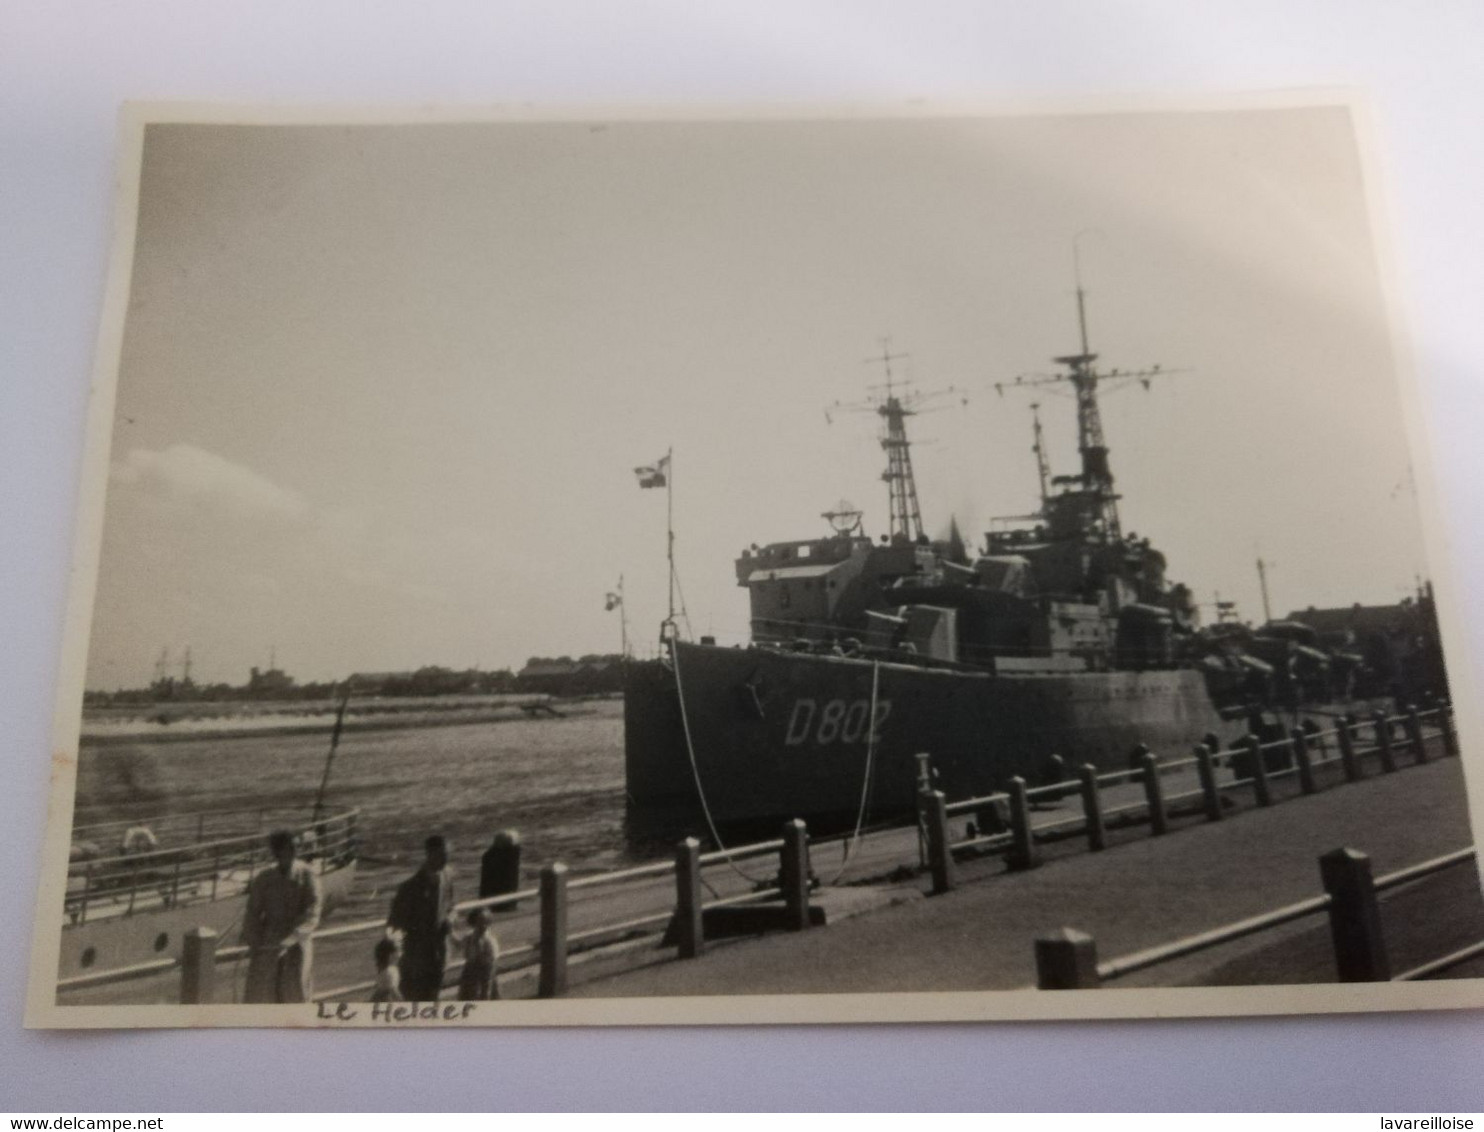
<point>169,877</point>
<point>194,826</point>
<point>1067,959</point>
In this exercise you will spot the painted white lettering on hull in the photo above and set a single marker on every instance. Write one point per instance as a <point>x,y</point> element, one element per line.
<point>838,721</point>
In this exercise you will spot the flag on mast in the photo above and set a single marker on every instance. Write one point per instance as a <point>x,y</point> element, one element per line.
<point>656,474</point>
<point>612,601</point>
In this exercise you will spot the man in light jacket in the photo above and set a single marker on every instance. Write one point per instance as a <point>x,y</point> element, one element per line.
<point>283,909</point>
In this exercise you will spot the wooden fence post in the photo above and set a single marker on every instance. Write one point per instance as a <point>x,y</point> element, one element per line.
<point>1205,760</point>
<point>1022,837</point>
<point>690,934</point>
<point>1346,738</point>
<point>934,809</point>
<point>1382,726</point>
<point>1300,743</point>
<point>1159,822</point>
<point>1092,806</point>
<point>553,980</point>
<point>1445,721</point>
<point>1414,733</point>
<point>198,966</point>
<point>1354,918</point>
<point>794,862</point>
<point>1258,764</point>
<point>1066,960</point>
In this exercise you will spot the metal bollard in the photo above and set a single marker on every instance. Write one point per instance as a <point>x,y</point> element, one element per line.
<point>794,868</point>
<point>499,869</point>
<point>1023,853</point>
<point>1257,759</point>
<point>1382,727</point>
<point>1346,737</point>
<point>1159,821</point>
<point>1299,741</point>
<point>198,966</point>
<point>1092,806</point>
<point>1066,960</point>
<point>1205,759</point>
<point>933,807</point>
<point>1056,770</point>
<point>1414,733</point>
<point>1354,918</point>
<point>689,929</point>
<point>553,980</point>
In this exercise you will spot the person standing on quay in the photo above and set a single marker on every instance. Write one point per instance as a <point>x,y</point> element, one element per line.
<point>283,907</point>
<point>421,911</point>
<point>479,981</point>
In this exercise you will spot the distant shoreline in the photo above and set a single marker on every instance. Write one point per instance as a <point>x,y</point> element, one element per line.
<point>380,718</point>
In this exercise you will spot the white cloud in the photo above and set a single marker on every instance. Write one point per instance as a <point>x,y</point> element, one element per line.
<point>183,473</point>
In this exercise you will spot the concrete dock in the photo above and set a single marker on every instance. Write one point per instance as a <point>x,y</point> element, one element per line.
<point>1140,892</point>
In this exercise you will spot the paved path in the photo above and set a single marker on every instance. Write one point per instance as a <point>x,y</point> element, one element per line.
<point>1142,891</point>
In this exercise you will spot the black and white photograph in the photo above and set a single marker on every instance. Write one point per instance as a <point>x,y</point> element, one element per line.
<point>774,566</point>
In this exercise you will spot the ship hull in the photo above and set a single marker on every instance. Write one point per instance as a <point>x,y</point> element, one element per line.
<point>776,735</point>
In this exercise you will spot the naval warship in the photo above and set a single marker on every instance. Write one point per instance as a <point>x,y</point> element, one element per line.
<point>1061,635</point>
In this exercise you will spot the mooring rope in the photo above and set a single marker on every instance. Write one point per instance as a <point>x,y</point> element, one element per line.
<point>695,770</point>
<point>853,842</point>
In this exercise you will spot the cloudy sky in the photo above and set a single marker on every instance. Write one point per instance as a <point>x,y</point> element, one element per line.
<point>383,388</point>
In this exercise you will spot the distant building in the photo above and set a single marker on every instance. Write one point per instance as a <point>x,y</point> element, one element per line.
<point>377,683</point>
<point>1358,620</point>
<point>585,677</point>
<point>1400,644</point>
<point>269,683</point>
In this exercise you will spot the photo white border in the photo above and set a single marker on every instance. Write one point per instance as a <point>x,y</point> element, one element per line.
<point>1108,1003</point>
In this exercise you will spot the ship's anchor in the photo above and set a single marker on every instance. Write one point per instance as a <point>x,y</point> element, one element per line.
<point>750,691</point>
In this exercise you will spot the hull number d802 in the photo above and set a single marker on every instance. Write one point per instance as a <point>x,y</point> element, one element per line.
<point>836,721</point>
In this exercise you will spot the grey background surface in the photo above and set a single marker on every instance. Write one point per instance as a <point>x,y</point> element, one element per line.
<point>65,67</point>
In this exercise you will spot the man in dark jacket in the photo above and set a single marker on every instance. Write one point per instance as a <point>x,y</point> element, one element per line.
<point>422,911</point>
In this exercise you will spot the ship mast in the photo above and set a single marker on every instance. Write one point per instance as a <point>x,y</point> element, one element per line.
<point>893,403</point>
<point>906,517</point>
<point>1097,475</point>
<point>1096,478</point>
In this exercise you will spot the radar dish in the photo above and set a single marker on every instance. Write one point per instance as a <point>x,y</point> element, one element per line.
<point>844,517</point>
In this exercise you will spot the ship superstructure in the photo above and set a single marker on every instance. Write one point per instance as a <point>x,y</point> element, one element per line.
<point>1061,635</point>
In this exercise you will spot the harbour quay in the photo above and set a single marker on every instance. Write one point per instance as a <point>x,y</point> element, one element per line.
<point>1141,892</point>
<point>1169,850</point>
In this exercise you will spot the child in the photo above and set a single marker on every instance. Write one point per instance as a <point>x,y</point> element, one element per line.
<point>479,981</point>
<point>386,972</point>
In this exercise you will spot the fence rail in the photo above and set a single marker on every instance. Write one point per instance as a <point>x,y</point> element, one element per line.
<point>1067,959</point>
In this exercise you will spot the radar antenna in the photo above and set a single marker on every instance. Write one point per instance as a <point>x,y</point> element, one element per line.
<point>844,518</point>
<point>893,401</point>
<point>1096,478</point>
